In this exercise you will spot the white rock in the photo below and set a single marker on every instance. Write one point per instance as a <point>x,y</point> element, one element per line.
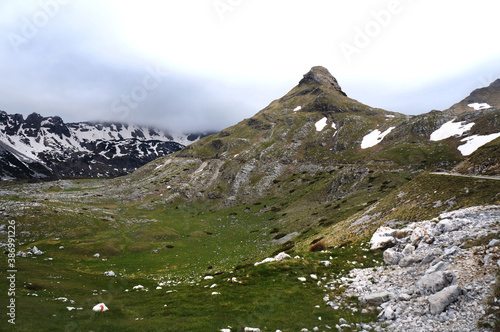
<point>440,300</point>
<point>278,258</point>
<point>436,267</point>
<point>421,235</point>
<point>251,329</point>
<point>138,287</point>
<point>434,282</point>
<point>388,313</point>
<point>21,254</point>
<point>36,251</point>
<point>382,238</point>
<point>377,297</point>
<point>97,255</point>
<point>450,251</point>
<point>281,256</point>
<point>304,279</point>
<point>392,257</point>
<point>409,249</point>
<point>109,274</point>
<point>100,307</point>
<point>494,242</point>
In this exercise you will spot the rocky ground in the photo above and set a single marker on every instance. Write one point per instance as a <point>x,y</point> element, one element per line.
<point>439,274</point>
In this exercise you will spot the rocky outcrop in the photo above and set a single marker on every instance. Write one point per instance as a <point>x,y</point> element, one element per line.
<point>446,283</point>
<point>321,75</point>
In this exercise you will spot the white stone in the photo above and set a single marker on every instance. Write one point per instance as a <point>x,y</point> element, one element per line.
<point>282,256</point>
<point>494,242</point>
<point>440,300</point>
<point>434,282</point>
<point>392,257</point>
<point>376,298</point>
<point>36,251</point>
<point>100,307</point>
<point>382,238</point>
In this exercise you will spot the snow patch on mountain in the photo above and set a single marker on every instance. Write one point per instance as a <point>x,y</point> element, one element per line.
<point>321,124</point>
<point>450,129</point>
<point>475,142</point>
<point>479,106</point>
<point>374,138</point>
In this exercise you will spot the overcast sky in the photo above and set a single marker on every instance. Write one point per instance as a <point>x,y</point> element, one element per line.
<point>207,64</point>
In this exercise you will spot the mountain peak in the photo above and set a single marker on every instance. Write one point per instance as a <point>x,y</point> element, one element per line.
<point>483,98</point>
<point>320,75</point>
<point>495,84</point>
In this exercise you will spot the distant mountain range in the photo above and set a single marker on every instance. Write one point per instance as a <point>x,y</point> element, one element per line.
<point>47,148</point>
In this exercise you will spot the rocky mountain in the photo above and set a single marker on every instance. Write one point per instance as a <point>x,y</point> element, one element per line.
<point>482,98</point>
<point>317,121</point>
<point>278,217</point>
<point>46,147</point>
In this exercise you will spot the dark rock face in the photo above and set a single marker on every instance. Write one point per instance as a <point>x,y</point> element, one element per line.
<point>321,75</point>
<point>489,95</point>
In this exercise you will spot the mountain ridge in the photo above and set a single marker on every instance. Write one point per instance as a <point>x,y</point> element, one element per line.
<point>46,147</point>
<point>487,97</point>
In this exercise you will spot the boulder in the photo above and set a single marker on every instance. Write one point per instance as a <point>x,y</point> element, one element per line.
<point>439,301</point>
<point>440,266</point>
<point>446,225</point>
<point>376,298</point>
<point>100,307</point>
<point>36,251</point>
<point>408,260</point>
<point>392,257</point>
<point>382,238</point>
<point>494,242</point>
<point>387,314</point>
<point>434,282</point>
<point>421,235</point>
<point>281,256</point>
<point>409,249</point>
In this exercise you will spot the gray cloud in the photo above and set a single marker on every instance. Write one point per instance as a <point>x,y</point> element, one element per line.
<point>192,71</point>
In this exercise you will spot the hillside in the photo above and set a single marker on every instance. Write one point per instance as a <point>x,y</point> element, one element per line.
<point>195,241</point>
